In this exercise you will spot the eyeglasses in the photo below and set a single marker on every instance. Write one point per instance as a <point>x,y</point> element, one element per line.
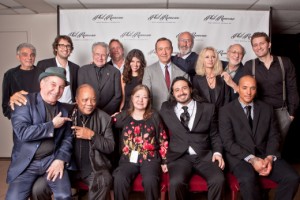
<point>64,46</point>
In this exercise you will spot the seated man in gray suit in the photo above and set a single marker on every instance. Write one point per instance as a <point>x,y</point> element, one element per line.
<point>158,76</point>
<point>251,140</point>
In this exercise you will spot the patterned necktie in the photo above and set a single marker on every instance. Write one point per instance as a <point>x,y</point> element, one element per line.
<point>185,117</point>
<point>167,77</point>
<point>248,113</point>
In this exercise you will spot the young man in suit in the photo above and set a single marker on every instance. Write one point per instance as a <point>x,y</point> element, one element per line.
<point>62,49</point>
<point>42,140</point>
<point>194,144</point>
<point>104,78</point>
<point>186,59</point>
<point>159,75</point>
<point>251,141</point>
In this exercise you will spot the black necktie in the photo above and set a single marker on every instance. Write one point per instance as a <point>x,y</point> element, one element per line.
<point>248,113</point>
<point>185,117</point>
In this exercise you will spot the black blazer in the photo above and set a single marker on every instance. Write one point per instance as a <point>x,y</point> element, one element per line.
<point>187,65</point>
<point>239,73</point>
<point>51,62</point>
<point>108,90</point>
<point>239,140</point>
<point>222,91</point>
<point>203,137</point>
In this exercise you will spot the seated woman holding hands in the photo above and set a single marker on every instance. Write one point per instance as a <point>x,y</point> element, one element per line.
<point>144,146</point>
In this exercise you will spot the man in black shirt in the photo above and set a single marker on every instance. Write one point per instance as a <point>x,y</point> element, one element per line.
<point>20,80</point>
<point>269,76</point>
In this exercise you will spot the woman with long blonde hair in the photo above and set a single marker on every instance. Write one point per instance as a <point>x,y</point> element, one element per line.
<point>208,81</point>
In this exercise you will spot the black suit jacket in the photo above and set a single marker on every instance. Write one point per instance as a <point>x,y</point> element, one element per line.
<point>108,90</point>
<point>51,62</point>
<point>222,92</point>
<point>203,138</point>
<point>239,73</point>
<point>187,65</point>
<point>239,140</point>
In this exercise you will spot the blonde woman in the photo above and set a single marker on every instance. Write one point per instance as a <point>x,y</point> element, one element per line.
<point>208,80</point>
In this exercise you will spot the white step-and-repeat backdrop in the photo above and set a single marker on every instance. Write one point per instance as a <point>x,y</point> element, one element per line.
<point>140,28</point>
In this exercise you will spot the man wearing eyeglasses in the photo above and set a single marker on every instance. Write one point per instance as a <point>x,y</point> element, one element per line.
<point>233,69</point>
<point>62,49</point>
<point>186,59</point>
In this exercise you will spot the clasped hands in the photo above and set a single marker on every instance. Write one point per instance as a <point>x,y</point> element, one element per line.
<point>262,166</point>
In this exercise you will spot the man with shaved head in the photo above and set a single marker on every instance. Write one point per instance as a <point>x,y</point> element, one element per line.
<point>251,142</point>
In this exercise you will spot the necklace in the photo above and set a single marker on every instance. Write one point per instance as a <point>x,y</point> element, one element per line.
<point>211,81</point>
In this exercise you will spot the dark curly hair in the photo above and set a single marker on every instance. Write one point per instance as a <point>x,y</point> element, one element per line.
<point>127,73</point>
<point>56,41</point>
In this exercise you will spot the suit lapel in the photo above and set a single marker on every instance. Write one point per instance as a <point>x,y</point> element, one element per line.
<point>92,75</point>
<point>171,113</point>
<point>104,77</point>
<point>198,115</point>
<point>256,116</point>
<point>218,88</point>
<point>41,107</point>
<point>205,87</point>
<point>161,76</point>
<point>243,117</point>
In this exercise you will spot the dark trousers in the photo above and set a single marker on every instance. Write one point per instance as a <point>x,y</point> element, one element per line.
<point>282,173</point>
<point>99,186</point>
<point>20,188</point>
<point>180,172</point>
<point>126,173</point>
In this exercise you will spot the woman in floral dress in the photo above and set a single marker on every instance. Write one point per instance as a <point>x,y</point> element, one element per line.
<point>144,145</point>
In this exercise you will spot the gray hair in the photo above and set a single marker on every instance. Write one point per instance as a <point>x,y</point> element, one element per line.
<point>26,45</point>
<point>243,49</point>
<point>102,44</point>
<point>189,34</point>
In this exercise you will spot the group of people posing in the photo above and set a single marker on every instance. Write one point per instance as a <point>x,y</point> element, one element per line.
<point>106,122</point>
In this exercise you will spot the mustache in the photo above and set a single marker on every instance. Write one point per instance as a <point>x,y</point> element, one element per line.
<point>182,95</point>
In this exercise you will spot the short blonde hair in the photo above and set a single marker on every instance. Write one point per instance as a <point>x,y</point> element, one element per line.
<point>200,68</point>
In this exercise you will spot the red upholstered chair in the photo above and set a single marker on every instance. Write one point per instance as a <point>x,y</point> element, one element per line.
<point>81,186</point>
<point>197,184</point>
<point>235,187</point>
<point>138,187</point>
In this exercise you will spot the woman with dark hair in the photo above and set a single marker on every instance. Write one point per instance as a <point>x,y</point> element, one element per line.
<point>144,146</point>
<point>132,75</point>
<point>208,81</point>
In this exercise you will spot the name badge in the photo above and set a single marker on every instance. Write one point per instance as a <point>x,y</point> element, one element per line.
<point>134,156</point>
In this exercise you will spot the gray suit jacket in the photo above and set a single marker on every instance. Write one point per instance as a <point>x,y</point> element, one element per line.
<point>155,80</point>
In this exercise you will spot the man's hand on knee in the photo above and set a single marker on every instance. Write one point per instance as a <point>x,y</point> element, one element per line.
<point>55,170</point>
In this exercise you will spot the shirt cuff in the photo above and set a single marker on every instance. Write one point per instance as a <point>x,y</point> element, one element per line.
<point>274,157</point>
<point>217,153</point>
<point>249,157</point>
